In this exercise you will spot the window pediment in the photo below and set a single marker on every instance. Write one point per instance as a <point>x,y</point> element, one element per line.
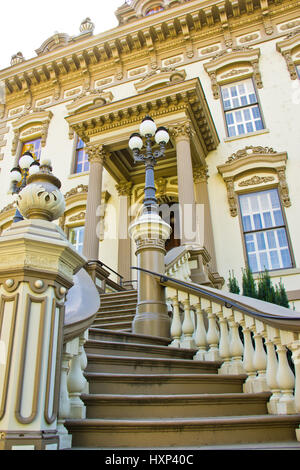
<point>159,78</point>
<point>56,41</point>
<point>290,49</point>
<point>233,64</point>
<point>254,167</point>
<point>89,100</point>
<point>30,126</point>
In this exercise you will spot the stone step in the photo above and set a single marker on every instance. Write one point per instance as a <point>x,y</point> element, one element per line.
<point>175,406</point>
<point>183,432</point>
<point>107,307</point>
<point>146,365</point>
<point>137,350</point>
<point>114,318</point>
<point>115,336</point>
<point>163,384</point>
<point>123,326</point>
<point>118,297</point>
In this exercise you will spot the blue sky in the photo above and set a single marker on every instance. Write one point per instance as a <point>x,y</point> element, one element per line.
<point>25,25</point>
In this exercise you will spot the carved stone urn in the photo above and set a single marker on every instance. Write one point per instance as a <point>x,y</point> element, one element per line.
<point>41,198</point>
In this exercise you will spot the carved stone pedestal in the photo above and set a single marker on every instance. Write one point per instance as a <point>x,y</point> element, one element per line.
<point>149,233</point>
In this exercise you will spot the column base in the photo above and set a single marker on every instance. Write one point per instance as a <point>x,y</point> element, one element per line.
<point>152,323</point>
<point>29,440</point>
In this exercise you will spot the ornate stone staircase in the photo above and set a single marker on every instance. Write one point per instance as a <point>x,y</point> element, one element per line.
<point>145,394</point>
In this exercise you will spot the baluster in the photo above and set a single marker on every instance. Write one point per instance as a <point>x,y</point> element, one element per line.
<point>260,363</point>
<point>65,439</point>
<point>76,384</point>
<point>271,374</point>
<point>83,359</point>
<point>212,336</point>
<point>295,348</point>
<point>248,364</point>
<point>187,326</point>
<point>224,345</point>
<point>176,329</point>
<point>286,382</point>
<point>200,334</point>
<point>236,345</point>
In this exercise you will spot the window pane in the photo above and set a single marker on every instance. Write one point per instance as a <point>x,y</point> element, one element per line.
<point>33,146</point>
<point>266,249</point>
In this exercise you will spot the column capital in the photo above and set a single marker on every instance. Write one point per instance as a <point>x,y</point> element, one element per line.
<point>200,175</point>
<point>97,153</point>
<point>181,130</point>
<point>124,188</point>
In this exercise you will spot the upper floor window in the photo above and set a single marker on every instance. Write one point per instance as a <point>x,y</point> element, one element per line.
<point>76,235</point>
<point>33,146</point>
<point>265,232</point>
<point>81,158</point>
<point>241,108</point>
<point>154,10</point>
<point>298,70</point>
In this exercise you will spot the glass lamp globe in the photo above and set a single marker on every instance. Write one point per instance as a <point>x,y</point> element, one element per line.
<point>26,160</point>
<point>135,141</point>
<point>162,135</point>
<point>34,168</point>
<point>148,127</point>
<point>15,175</point>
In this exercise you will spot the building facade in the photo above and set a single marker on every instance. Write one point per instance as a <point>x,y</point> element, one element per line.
<point>223,78</point>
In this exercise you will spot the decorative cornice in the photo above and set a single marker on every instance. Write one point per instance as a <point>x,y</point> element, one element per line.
<point>256,180</point>
<point>29,125</point>
<point>290,49</point>
<point>249,161</point>
<point>80,189</point>
<point>238,62</point>
<point>162,76</point>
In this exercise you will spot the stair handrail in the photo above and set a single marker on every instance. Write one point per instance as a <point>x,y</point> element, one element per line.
<point>248,337</point>
<point>236,301</point>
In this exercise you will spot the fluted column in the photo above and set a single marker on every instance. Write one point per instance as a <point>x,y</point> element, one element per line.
<point>97,155</point>
<point>182,133</point>
<point>202,197</point>
<point>124,241</point>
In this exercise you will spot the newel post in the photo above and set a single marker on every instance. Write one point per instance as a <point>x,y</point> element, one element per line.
<point>37,264</point>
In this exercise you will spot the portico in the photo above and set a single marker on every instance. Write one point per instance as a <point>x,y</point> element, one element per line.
<point>105,126</point>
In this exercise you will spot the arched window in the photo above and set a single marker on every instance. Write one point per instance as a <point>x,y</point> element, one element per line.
<point>154,10</point>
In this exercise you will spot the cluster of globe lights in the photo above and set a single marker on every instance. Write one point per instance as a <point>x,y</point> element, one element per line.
<point>27,164</point>
<point>148,129</point>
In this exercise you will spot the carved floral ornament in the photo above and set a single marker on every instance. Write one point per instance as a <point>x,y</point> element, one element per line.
<point>31,125</point>
<point>160,77</point>
<point>233,64</point>
<point>254,167</point>
<point>290,49</point>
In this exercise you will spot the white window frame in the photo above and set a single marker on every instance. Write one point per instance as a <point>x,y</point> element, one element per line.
<point>78,244</point>
<point>267,233</point>
<point>239,100</point>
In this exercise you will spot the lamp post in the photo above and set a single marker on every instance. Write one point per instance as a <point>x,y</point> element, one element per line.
<point>149,130</point>
<point>150,232</point>
<point>19,174</point>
